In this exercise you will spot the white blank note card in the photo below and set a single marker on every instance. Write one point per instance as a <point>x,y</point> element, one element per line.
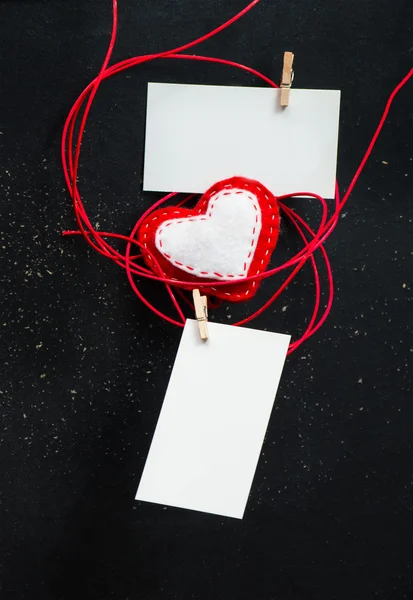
<point>197,135</point>
<point>213,420</point>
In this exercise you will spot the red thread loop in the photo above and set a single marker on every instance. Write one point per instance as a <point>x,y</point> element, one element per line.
<point>312,240</point>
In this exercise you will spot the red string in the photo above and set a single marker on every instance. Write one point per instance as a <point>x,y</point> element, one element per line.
<point>312,241</point>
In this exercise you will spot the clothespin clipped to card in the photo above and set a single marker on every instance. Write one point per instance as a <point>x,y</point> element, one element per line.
<point>286,78</point>
<point>201,313</point>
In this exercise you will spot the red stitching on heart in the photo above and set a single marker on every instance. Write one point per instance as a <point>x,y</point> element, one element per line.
<point>211,206</point>
<point>271,218</point>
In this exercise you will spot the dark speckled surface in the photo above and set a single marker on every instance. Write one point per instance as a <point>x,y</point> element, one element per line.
<point>84,365</point>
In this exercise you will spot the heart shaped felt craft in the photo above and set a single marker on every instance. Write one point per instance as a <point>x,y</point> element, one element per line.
<point>228,236</point>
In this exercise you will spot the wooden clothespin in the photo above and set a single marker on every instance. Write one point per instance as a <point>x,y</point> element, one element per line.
<point>286,78</point>
<point>201,312</point>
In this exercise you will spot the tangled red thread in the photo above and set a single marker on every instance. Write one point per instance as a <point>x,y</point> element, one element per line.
<point>312,240</point>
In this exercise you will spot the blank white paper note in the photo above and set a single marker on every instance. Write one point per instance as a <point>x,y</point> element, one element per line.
<point>197,135</point>
<point>213,420</point>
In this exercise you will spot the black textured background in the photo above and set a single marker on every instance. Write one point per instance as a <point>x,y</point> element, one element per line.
<point>84,365</point>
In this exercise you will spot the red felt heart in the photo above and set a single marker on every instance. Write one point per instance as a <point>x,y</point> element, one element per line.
<point>229,235</point>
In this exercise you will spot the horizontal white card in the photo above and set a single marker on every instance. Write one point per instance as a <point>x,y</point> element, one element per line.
<point>213,420</point>
<point>197,135</point>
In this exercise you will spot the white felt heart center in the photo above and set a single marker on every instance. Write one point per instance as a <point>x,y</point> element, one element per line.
<point>218,244</point>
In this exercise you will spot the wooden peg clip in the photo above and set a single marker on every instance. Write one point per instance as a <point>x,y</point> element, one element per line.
<point>286,78</point>
<point>201,313</point>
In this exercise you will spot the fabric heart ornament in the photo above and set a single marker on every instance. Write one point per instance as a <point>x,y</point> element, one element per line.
<point>228,236</point>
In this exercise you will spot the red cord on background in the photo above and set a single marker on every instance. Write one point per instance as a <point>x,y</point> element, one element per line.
<point>98,240</point>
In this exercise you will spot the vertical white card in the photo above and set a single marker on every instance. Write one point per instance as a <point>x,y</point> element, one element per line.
<point>197,135</point>
<point>213,420</point>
